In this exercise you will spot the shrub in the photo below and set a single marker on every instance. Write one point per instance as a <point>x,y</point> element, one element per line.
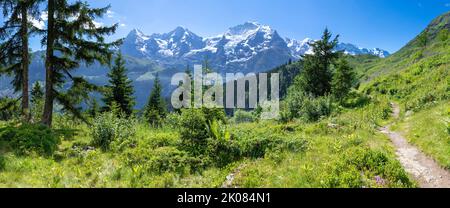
<point>362,167</point>
<point>162,160</point>
<point>29,138</point>
<point>109,130</point>
<point>155,118</point>
<point>222,148</point>
<point>193,131</point>
<point>161,139</point>
<point>294,103</point>
<point>214,114</point>
<point>295,145</point>
<point>355,100</point>
<point>307,107</point>
<point>241,116</point>
<point>313,109</point>
<point>172,120</point>
<point>2,163</point>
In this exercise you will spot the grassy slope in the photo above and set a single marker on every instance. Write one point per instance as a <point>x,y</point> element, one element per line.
<point>333,157</point>
<point>329,160</point>
<point>429,130</point>
<point>418,78</point>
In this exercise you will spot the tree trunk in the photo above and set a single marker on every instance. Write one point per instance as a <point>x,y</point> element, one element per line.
<point>25,64</point>
<point>49,97</point>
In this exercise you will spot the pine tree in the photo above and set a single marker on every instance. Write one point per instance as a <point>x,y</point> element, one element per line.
<point>343,79</point>
<point>14,50</point>
<point>72,38</point>
<point>316,76</point>
<point>37,98</point>
<point>120,90</point>
<point>155,111</point>
<point>36,93</point>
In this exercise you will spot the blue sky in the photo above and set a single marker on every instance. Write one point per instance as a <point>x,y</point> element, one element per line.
<point>387,24</point>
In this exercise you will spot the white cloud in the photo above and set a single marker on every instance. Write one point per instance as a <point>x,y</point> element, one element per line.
<point>122,25</point>
<point>110,14</point>
<point>97,24</point>
<point>37,23</point>
<point>44,16</point>
<point>40,22</point>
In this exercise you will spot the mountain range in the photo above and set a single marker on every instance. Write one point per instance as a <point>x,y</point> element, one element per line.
<point>249,47</point>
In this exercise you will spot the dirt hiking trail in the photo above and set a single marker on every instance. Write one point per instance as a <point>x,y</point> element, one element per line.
<point>424,169</point>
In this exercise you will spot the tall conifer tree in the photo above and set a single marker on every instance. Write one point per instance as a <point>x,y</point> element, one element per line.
<point>317,75</point>
<point>343,79</point>
<point>14,49</point>
<point>72,38</point>
<point>120,89</point>
<point>155,110</point>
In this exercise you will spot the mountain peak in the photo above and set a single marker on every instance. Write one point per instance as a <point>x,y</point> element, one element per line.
<point>248,27</point>
<point>180,29</point>
<point>137,34</point>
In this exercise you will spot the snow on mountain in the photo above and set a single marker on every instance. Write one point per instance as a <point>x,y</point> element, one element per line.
<point>249,47</point>
<point>299,48</point>
<point>354,50</point>
<point>173,44</point>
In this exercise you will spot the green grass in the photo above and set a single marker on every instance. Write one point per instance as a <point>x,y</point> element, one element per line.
<point>323,163</point>
<point>428,130</point>
<point>332,159</point>
<point>95,168</point>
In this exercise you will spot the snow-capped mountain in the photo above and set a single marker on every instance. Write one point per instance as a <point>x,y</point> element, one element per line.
<point>173,44</point>
<point>244,48</point>
<point>249,47</point>
<point>299,48</point>
<point>354,50</point>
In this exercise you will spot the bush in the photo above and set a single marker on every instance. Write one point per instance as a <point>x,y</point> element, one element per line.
<point>2,163</point>
<point>162,160</point>
<point>214,114</point>
<point>241,116</point>
<point>357,163</point>
<point>161,139</point>
<point>222,148</point>
<point>356,100</point>
<point>307,107</point>
<point>172,120</point>
<point>313,109</point>
<point>193,131</point>
<point>155,118</point>
<point>108,131</point>
<point>29,138</point>
<point>294,103</point>
<point>258,147</point>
